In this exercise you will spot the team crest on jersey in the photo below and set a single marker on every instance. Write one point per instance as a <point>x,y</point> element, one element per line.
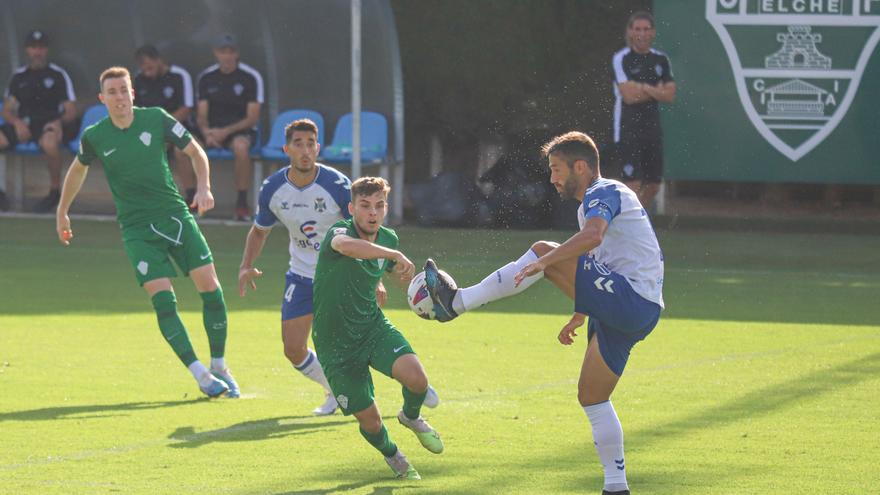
<point>797,65</point>
<point>48,82</point>
<point>238,88</point>
<point>342,400</point>
<point>320,205</point>
<point>146,138</point>
<point>168,91</point>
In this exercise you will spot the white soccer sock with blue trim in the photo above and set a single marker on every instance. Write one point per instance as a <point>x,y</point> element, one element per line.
<point>608,439</point>
<point>497,285</point>
<point>311,369</point>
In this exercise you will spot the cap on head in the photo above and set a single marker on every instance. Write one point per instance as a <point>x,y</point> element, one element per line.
<point>36,38</point>
<point>226,41</point>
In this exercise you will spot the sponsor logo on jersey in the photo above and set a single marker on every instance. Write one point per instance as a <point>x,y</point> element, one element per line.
<point>285,205</point>
<point>308,229</point>
<point>340,231</point>
<point>320,205</point>
<point>178,129</point>
<point>797,65</point>
<point>146,138</point>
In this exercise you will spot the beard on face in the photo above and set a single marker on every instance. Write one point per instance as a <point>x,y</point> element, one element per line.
<point>569,188</point>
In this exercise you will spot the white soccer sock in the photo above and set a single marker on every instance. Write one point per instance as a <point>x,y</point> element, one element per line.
<point>497,285</point>
<point>311,369</point>
<point>200,373</point>
<point>608,439</point>
<point>218,364</point>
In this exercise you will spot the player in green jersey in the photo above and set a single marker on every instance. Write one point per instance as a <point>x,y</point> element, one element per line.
<point>156,224</point>
<point>351,333</point>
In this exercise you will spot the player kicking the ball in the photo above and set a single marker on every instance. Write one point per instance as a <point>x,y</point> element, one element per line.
<point>351,333</point>
<point>156,224</point>
<point>612,269</point>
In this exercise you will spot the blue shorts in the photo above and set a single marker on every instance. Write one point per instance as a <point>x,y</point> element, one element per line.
<point>297,300</point>
<point>619,317</point>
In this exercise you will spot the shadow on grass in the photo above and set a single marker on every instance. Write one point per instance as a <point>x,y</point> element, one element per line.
<point>90,411</point>
<point>377,490</point>
<point>769,399</point>
<point>247,431</point>
<point>760,402</point>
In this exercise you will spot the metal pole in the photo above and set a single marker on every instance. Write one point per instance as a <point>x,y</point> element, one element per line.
<point>356,88</point>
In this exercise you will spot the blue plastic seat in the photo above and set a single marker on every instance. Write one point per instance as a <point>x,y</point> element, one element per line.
<point>274,148</point>
<point>374,139</point>
<point>93,114</point>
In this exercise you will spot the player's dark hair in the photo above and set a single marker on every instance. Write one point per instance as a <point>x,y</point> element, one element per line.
<point>300,125</point>
<point>639,16</point>
<point>573,146</point>
<point>113,73</point>
<point>368,186</point>
<point>147,51</point>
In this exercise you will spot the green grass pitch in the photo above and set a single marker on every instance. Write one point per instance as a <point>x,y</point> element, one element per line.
<point>762,377</point>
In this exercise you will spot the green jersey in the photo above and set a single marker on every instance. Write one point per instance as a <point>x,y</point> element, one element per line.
<point>346,314</point>
<point>136,165</point>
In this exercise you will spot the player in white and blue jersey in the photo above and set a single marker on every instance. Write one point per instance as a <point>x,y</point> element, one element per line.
<point>613,271</point>
<point>307,198</point>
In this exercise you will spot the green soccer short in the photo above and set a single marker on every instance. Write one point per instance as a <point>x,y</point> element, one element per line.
<point>351,382</point>
<point>151,247</point>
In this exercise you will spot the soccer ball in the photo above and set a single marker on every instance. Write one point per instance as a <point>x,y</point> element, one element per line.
<point>418,298</point>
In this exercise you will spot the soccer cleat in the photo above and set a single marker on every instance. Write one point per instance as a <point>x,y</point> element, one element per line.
<point>442,289</point>
<point>327,408</point>
<point>432,400</point>
<point>215,389</point>
<point>428,437</point>
<point>242,213</point>
<point>401,467</point>
<point>225,376</point>
<point>619,492</point>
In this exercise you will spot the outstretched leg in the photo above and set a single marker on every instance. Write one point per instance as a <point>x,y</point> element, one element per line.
<point>498,285</point>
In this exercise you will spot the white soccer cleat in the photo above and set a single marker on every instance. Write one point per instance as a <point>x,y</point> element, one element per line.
<point>327,408</point>
<point>401,467</point>
<point>432,400</point>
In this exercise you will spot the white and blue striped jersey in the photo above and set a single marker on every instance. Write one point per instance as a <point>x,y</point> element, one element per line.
<point>307,212</point>
<point>630,245</point>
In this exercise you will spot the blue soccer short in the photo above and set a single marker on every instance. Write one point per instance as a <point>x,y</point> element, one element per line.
<point>297,300</point>
<point>619,317</point>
